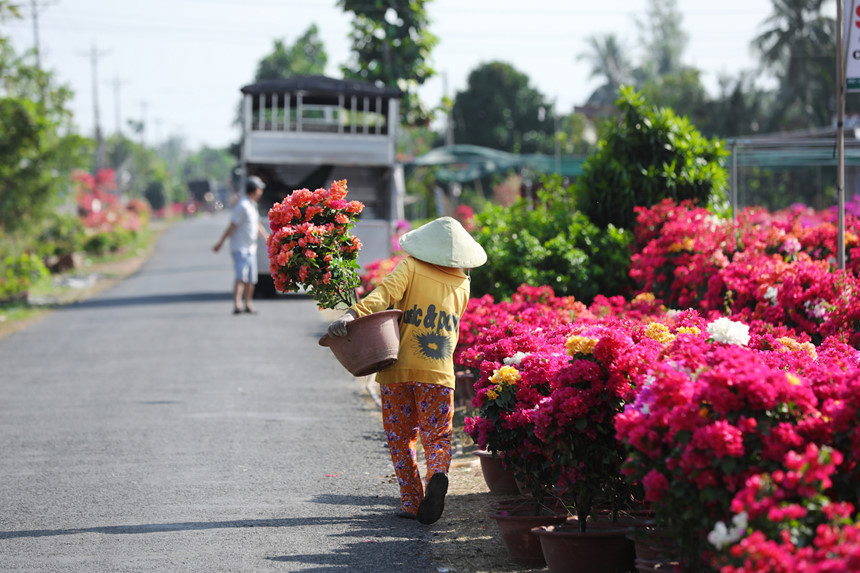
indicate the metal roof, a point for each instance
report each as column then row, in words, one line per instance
column 322, row 85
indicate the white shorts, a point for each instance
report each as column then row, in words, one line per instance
column 245, row 266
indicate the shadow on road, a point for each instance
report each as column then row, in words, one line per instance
column 374, row 522
column 374, row 527
column 179, row 298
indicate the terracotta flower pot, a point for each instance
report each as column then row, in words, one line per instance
column 464, row 388
column 500, row 480
column 516, row 530
column 370, row 345
column 655, row 551
column 598, row 550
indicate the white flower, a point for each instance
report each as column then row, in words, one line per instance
column 722, row 535
column 729, row 331
column 817, row 309
column 515, row 359
column 791, row 246
column 770, row 294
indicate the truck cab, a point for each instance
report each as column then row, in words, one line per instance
column 307, row 131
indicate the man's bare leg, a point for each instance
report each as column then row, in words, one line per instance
column 249, row 295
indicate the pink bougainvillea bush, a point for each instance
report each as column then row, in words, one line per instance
column 100, row 207
column 514, row 377
column 709, row 413
column 576, row 422
column 110, row 226
column 311, row 245
column 784, row 521
column 771, row 270
column 736, row 418
column 486, row 321
column 689, row 405
column 535, row 401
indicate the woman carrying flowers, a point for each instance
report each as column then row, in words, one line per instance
column 432, row 289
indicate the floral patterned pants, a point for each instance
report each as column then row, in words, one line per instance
column 410, row 410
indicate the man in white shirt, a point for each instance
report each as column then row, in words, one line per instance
column 243, row 230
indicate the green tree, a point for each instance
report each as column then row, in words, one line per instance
column 662, row 77
column 663, row 40
column 575, row 135
column 681, row 90
column 306, row 57
column 37, row 151
column 650, row 154
column 796, row 46
column 391, row 44
column 8, row 10
column 137, row 167
column 500, row 110
column 208, row 163
column 608, row 62
column 549, row 242
column 737, row 110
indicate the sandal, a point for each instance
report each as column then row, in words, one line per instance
column 431, row 507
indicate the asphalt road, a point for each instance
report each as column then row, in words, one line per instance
column 149, row 429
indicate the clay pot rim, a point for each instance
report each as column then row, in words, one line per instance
column 562, row 531
column 622, row 521
column 326, row 338
column 524, row 516
column 488, row 454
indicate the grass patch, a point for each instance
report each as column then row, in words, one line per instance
column 97, row 274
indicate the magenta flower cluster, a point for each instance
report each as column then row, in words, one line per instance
column 793, row 525
column 686, row 407
column 774, row 271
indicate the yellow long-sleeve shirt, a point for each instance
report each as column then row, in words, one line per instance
column 432, row 299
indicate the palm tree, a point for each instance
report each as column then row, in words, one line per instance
column 797, row 47
column 608, row 61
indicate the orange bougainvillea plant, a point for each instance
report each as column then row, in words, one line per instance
column 311, row 246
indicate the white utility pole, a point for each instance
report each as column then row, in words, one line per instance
column 94, row 56
column 35, row 8
column 840, row 134
column 117, row 84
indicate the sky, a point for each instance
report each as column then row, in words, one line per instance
column 178, row 65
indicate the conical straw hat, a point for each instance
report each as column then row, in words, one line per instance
column 444, row 242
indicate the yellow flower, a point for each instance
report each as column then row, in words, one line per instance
column 580, row 345
column 789, row 344
column 659, row 332
column 792, row 379
column 505, row 376
column 686, row 245
column 491, row 395
column 688, row 330
column 643, row 297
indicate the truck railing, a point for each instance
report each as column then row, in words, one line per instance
column 288, row 112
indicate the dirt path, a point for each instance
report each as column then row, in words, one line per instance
column 468, row 540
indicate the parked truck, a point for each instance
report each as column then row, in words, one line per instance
column 307, row 131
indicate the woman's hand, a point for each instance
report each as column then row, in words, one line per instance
column 338, row 327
